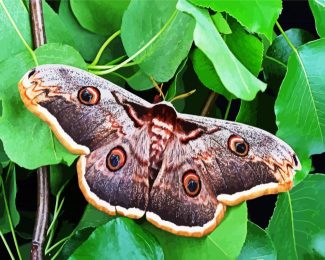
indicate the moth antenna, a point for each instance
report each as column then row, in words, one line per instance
column 158, row 88
column 184, row 95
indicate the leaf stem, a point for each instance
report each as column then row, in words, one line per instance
column 182, row 96
column 286, row 37
column 54, row 221
column 58, row 243
column 228, row 109
column 8, row 212
column 32, row 53
column 211, row 99
column 142, row 49
column 106, row 43
column 104, row 67
column 7, row 246
column 57, row 210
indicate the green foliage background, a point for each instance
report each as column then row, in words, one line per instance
column 213, row 46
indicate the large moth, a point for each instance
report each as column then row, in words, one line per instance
column 140, row 159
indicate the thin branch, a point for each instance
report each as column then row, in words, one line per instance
column 36, row 13
column 211, row 99
column 42, row 213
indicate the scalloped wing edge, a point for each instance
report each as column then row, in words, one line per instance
column 53, row 123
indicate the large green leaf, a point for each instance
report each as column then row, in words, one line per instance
column 276, row 57
column 223, row 243
column 318, row 9
column 235, row 77
column 250, row 50
column 300, row 104
column 139, row 80
column 98, row 16
column 9, row 41
column 58, row 33
column 257, row 15
column 207, row 74
column 249, row 53
column 259, row 112
column 258, row 244
column 84, row 41
column 9, row 182
column 19, row 127
column 90, row 219
column 142, row 21
column 297, row 227
column 120, row 238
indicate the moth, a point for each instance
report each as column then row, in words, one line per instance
column 140, row 159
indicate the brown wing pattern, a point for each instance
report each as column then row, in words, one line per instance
column 52, row 92
column 171, row 208
column 124, row 191
column 226, row 178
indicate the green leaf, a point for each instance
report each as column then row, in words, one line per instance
column 84, row 41
column 139, row 81
column 297, row 227
column 207, row 74
column 120, row 238
column 300, row 104
column 93, row 217
column 59, row 175
column 102, row 17
column 4, row 160
column 19, row 127
column 90, row 219
column 244, row 85
column 221, row 23
column 162, row 58
column 57, row 33
column 9, row 40
column 250, row 50
column 257, row 15
column 25, row 250
column 57, row 53
column 75, row 241
column 318, row 9
column 223, row 243
column 249, row 53
column 258, row 244
column 259, row 112
column 10, row 186
column 177, row 87
column 276, row 57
